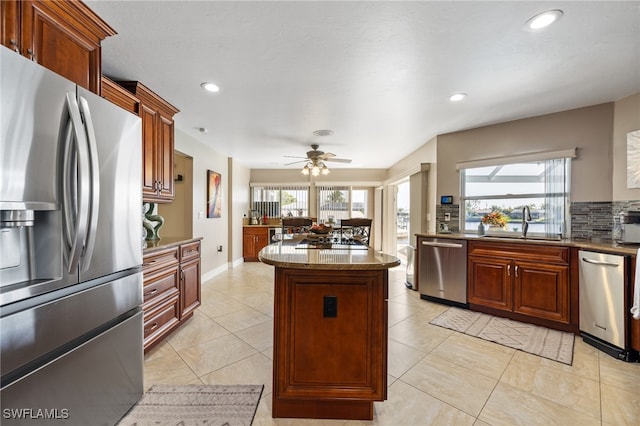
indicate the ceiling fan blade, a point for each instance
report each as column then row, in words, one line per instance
column 326, row 155
column 338, row 160
column 293, row 156
column 295, row 162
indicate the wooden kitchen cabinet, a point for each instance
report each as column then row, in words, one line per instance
column 330, row 343
column 160, row 294
column 254, row 239
column 190, row 295
column 171, row 288
column 157, row 143
column 527, row 282
column 63, row 36
column 116, row 94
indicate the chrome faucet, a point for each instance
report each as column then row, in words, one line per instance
column 525, row 219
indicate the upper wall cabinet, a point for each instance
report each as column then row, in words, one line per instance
column 157, row 143
column 63, row 36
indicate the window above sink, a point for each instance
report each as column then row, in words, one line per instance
column 507, row 188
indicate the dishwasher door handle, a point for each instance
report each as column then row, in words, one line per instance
column 599, row 262
column 444, row 245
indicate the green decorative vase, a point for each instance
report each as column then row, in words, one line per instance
column 152, row 222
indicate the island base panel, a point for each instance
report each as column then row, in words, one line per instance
column 318, row 409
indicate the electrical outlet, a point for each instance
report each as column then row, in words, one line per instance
column 330, row 306
column 447, row 217
column 200, row 215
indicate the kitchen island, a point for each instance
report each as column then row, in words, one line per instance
column 330, row 330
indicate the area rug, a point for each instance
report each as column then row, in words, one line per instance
column 210, row 405
column 536, row 340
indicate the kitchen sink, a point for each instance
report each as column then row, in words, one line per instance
column 528, row 237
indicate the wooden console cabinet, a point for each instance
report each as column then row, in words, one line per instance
column 254, row 239
column 157, row 143
column 63, row 36
column 171, row 288
column 311, row 355
column 527, row 282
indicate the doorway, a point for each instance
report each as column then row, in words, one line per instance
column 403, row 221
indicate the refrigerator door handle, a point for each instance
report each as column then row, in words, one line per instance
column 76, row 198
column 94, row 184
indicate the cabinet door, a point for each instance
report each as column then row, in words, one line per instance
column 164, row 172
column 262, row 241
column 64, row 37
column 149, row 181
column 10, row 24
column 489, row 282
column 190, row 287
column 249, row 251
column 542, row 290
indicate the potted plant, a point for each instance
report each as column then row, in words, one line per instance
column 495, row 220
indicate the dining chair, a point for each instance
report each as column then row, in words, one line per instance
column 296, row 225
column 360, row 228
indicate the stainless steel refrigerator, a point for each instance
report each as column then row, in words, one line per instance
column 70, row 251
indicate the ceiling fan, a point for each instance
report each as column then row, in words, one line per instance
column 315, row 161
column 316, row 155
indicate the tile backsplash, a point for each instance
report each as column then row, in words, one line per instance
column 589, row 220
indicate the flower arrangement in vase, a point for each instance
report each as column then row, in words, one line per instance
column 495, row 220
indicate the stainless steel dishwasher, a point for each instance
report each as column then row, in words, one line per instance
column 442, row 270
column 602, row 302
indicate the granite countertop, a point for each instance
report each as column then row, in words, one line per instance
column 166, row 242
column 601, row 246
column 287, row 255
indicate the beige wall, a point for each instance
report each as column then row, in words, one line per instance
column 589, row 129
column 214, row 232
column 626, row 118
column 178, row 218
column 238, row 205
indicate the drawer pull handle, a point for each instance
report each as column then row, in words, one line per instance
column 508, row 270
column 598, row 262
column 152, row 292
column 599, row 326
column 153, row 327
column 516, row 270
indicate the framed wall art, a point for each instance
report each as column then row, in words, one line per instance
column 214, row 194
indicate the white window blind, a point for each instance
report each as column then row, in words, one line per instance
column 341, row 202
column 280, row 200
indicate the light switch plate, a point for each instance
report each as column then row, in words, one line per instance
column 447, row 217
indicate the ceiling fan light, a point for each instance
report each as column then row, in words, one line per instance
column 325, row 170
column 305, row 170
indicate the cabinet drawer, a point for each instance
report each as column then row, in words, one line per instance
column 534, row 252
column 257, row 230
column 189, row 251
column 160, row 319
column 159, row 282
column 160, row 259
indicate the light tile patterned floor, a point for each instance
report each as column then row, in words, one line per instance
column 436, row 376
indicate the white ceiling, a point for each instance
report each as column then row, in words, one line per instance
column 376, row 73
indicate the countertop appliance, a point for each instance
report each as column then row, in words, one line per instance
column 442, row 270
column 630, row 227
column 602, row 302
column 70, row 235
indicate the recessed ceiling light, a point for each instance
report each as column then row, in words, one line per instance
column 544, row 19
column 457, row 97
column 211, row 87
